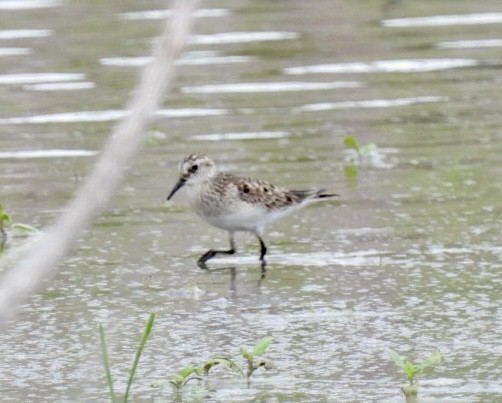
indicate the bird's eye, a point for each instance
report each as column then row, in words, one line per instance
column 194, row 168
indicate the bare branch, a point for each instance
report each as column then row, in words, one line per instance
column 36, row 261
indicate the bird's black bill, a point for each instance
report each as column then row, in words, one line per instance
column 176, row 187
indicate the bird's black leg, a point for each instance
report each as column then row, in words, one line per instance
column 263, row 248
column 212, row 253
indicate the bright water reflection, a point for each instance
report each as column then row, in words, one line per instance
column 30, row 78
column 484, row 43
column 24, row 33
column 408, row 258
column 445, row 20
column 28, row 4
column 385, row 66
column 14, row 51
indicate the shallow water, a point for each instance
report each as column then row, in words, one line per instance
column 408, row 258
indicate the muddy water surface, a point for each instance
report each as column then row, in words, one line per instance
column 408, row 258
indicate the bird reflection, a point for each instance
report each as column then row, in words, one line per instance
column 233, row 276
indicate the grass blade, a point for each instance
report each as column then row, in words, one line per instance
column 106, row 363
column 139, row 351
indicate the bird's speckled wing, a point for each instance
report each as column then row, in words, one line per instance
column 255, row 191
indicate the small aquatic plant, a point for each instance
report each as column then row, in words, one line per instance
column 413, row 371
column 106, row 362
column 184, row 376
column 359, row 153
column 5, row 222
column 250, row 356
column 189, row 373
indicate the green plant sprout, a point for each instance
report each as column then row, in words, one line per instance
column 106, row 362
column 5, row 222
column 353, row 161
column 186, row 375
column 413, row 371
column 258, row 349
column 189, row 373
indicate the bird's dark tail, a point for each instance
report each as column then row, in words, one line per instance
column 323, row 195
column 313, row 194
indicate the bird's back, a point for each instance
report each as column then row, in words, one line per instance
column 237, row 203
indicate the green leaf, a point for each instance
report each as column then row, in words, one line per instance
column 176, row 384
column 177, row 380
column 398, row 360
column 4, row 217
column 367, row 149
column 261, row 345
column 186, row 372
column 351, row 142
column 409, row 370
column 24, row 227
column 429, row 362
column 246, row 354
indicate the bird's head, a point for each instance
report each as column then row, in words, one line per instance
column 194, row 169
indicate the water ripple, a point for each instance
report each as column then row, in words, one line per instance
column 444, row 20
column 14, row 51
column 82, row 85
column 107, row 116
column 31, row 78
column 370, row 103
column 385, row 66
column 24, row 33
column 241, row 37
column 188, row 61
column 28, row 4
column 55, row 153
column 241, row 136
column 162, row 14
column 467, row 44
column 270, row 87
column 359, row 258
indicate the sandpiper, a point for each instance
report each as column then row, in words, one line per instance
column 236, row 203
